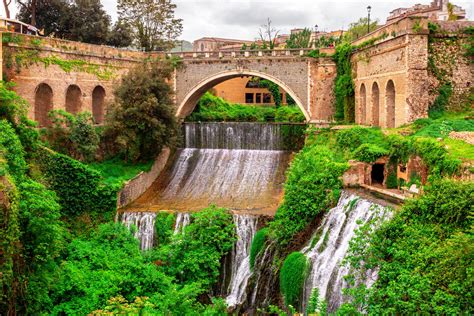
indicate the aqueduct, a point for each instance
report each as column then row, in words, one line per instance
column 392, row 82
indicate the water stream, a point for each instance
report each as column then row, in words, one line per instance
column 330, row 244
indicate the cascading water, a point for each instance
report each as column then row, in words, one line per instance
column 145, row 225
column 182, row 220
column 246, row 227
column 330, row 244
column 240, row 166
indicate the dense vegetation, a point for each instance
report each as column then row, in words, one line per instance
column 292, row 276
column 214, row 109
column 425, row 255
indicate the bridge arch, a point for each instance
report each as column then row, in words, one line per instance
column 189, row 102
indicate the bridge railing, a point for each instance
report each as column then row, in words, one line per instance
column 249, row 53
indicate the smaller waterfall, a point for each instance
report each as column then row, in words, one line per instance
column 145, row 224
column 182, row 220
column 330, row 244
column 246, row 227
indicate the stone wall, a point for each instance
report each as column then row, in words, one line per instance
column 322, row 100
column 135, row 187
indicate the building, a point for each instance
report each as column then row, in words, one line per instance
column 243, row 90
column 207, row 44
column 438, row 10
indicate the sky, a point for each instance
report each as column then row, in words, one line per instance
column 241, row 19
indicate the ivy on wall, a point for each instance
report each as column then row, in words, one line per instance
column 344, row 85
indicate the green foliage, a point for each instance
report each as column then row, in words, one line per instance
column 313, row 185
column 442, row 127
column 425, row 254
column 300, row 39
column 292, row 276
column 274, row 90
column 73, row 135
column 258, row 243
column 142, row 120
column 116, row 171
column 392, row 181
column 12, row 151
column 78, row 186
column 344, row 85
column 316, row 306
column 369, row 152
column 442, row 100
column 469, row 46
column 436, row 156
column 215, row 109
column 359, row 29
column 352, row 138
column 164, row 227
column 211, row 232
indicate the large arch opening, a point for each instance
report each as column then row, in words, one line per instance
column 375, row 104
column 98, row 99
column 390, row 103
column 362, row 104
column 43, row 104
column 73, row 99
column 188, row 104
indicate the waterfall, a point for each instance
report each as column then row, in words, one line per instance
column 233, row 135
column 246, row 227
column 330, row 244
column 182, row 220
column 240, row 166
column 145, row 225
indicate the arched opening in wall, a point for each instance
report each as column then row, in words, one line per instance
column 375, row 104
column 362, row 104
column 390, row 103
column 73, row 99
column 98, row 98
column 43, row 104
column 377, row 174
column 248, row 96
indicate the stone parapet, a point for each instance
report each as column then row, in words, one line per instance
column 135, row 187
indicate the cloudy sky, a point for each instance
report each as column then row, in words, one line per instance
column 242, row 18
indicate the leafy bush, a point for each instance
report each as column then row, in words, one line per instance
column 352, row 138
column 425, row 254
column 116, row 171
column 73, row 135
column 313, row 185
column 344, row 85
column 215, row 109
column 257, row 244
column 78, row 187
column 442, row 127
column 369, row 152
column 436, row 156
column 292, row 276
column 196, row 254
column 142, row 120
column 12, row 150
column 164, row 227
column 442, row 100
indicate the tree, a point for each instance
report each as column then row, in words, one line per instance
column 300, row 39
column 30, row 6
column 359, row 29
column 268, row 34
column 142, row 120
column 120, row 35
column 6, row 4
column 153, row 23
column 88, row 22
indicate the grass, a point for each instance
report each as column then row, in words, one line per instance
column 460, row 149
column 116, row 171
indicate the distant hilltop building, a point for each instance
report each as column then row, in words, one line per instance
column 207, row 44
column 439, row 10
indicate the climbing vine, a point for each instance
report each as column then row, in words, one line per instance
column 344, row 86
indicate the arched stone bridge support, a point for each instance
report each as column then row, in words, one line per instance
column 308, row 81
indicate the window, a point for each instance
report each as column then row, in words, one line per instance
column 249, row 98
column 267, row 98
column 258, row 98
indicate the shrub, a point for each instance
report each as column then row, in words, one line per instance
column 344, row 85
column 292, row 276
column 142, row 120
column 313, row 185
column 369, row 152
column 442, row 100
column 257, row 245
column 164, row 227
column 73, row 135
column 436, row 156
column 352, row 138
column 78, row 186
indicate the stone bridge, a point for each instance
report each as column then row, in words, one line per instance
column 392, row 80
column 309, row 81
